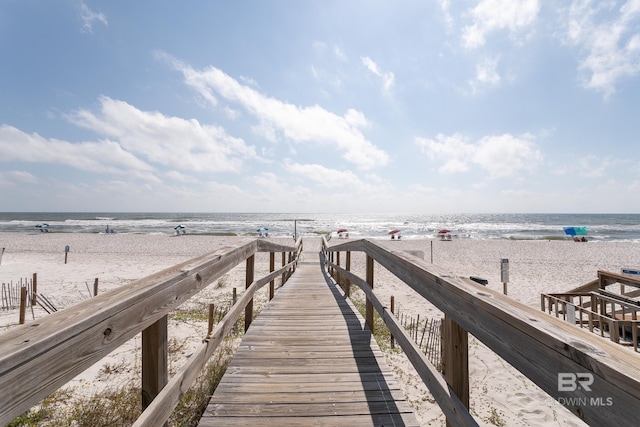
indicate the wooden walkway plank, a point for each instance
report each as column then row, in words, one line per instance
column 307, row 360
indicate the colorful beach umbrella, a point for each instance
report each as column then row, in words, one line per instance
column 575, row 231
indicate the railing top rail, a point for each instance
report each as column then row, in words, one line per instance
column 608, row 277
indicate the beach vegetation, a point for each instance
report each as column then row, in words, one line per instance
column 380, row 331
column 496, row 418
column 122, row 405
column 222, row 282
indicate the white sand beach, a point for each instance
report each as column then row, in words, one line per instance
column 498, row 392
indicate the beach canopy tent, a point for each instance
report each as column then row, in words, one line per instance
column 342, row 230
column 576, row 231
column 394, row 231
column 444, row 231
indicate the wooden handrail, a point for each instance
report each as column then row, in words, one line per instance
column 38, row 358
column 538, row 345
column 607, row 277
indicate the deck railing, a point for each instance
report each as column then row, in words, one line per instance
column 547, row 350
column 603, row 312
column 38, row 358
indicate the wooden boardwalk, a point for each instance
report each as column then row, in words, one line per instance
column 307, row 360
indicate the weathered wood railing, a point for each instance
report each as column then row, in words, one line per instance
column 609, row 312
column 545, row 349
column 38, row 358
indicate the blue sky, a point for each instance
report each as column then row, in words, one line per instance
column 320, row 106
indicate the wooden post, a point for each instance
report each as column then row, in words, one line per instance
column 95, row 287
column 456, row 360
column 66, row 252
column 1, row 253
column 369, row 280
column 272, row 267
column 234, row 300
column 432, row 252
column 393, row 310
column 347, row 289
column 212, row 309
column 284, row 262
column 34, row 290
column 23, row 303
column 155, row 373
column 248, row 311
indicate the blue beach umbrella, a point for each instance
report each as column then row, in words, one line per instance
column 576, row 231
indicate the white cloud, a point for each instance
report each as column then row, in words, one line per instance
column 486, row 74
column 326, row 177
column 494, row 15
column 594, row 167
column 180, row 177
column 448, row 19
column 10, row 178
column 89, row 17
column 171, row 141
column 339, row 53
column 103, row 157
column 309, row 125
column 387, row 77
column 486, row 71
column 612, row 46
column 500, row 155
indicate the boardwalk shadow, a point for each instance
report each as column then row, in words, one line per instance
column 378, row 394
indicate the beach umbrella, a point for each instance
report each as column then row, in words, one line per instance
column 444, row 231
column 575, row 231
column 394, row 231
column 342, row 230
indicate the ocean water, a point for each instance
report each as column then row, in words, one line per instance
column 601, row 227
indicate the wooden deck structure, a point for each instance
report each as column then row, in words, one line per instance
column 308, row 359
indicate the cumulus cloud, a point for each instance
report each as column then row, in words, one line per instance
column 132, row 142
column 486, row 74
column 500, row 155
column 88, row 18
column 305, row 125
column 104, row 157
column 171, row 141
column 611, row 46
column 495, row 15
column 386, row 76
